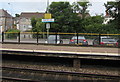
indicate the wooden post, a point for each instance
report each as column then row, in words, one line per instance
column 19, row 37
column 77, row 38
column 76, row 63
column 37, row 37
column 2, row 37
column 56, row 38
column 99, row 39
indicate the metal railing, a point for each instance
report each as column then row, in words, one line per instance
column 41, row 37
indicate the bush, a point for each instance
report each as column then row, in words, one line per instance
column 12, row 33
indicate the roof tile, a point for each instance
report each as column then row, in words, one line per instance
column 29, row 14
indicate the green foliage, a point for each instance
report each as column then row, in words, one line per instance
column 12, row 33
column 17, row 15
column 81, row 7
column 33, row 22
column 37, row 25
column 93, row 24
column 65, row 19
column 113, row 9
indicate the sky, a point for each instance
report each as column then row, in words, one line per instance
column 18, row 6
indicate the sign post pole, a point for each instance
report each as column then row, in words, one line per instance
column 47, row 27
column 47, row 32
column 47, row 19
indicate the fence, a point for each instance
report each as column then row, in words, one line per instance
column 63, row 38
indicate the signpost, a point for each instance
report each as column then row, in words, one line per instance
column 48, row 16
column 47, row 27
column 47, row 19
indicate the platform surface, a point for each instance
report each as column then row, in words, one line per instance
column 62, row 49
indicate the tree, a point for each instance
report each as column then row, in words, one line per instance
column 37, row 26
column 93, row 24
column 81, row 7
column 65, row 19
column 113, row 9
column 17, row 15
column 118, row 16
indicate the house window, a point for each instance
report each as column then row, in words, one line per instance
column 28, row 20
column 24, row 26
column 0, row 19
column 24, row 20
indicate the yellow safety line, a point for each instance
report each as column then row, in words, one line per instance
column 113, row 54
column 88, row 33
column 25, row 32
column 11, row 32
column 66, row 33
column 60, row 33
column 110, row 34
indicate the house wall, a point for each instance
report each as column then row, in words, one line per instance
column 5, row 21
column 1, row 29
column 106, row 20
column 25, row 24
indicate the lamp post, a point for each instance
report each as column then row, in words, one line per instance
column 47, row 24
column 11, row 19
column 47, row 6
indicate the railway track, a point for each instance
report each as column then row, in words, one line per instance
column 18, row 79
column 55, row 74
column 36, row 69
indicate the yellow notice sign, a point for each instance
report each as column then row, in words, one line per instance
column 48, row 16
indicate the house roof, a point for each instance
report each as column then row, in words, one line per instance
column 4, row 13
column 107, row 16
column 86, row 15
column 33, row 14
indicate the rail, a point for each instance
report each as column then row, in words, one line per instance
column 113, row 77
column 65, row 38
column 18, row 79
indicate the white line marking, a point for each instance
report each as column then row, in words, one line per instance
column 69, row 52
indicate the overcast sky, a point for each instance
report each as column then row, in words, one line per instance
column 18, row 6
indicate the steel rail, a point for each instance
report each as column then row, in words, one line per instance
column 19, row 79
column 116, row 77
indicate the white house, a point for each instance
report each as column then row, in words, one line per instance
column 24, row 21
column 107, row 18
